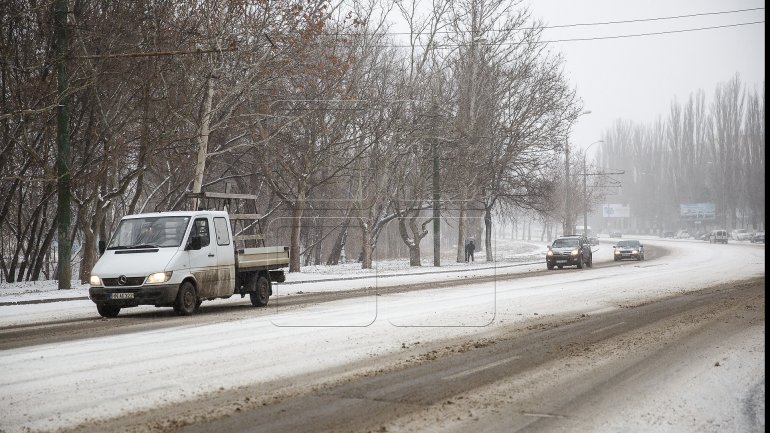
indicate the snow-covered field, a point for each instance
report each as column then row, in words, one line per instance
column 58, row 385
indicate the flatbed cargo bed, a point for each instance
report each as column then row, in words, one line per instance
column 262, row 258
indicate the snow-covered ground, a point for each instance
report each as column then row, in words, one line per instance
column 58, row 385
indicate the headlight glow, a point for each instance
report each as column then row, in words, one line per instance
column 575, row 252
column 95, row 281
column 635, row 252
column 158, row 277
column 617, row 252
column 549, row 253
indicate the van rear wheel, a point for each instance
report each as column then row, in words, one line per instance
column 259, row 291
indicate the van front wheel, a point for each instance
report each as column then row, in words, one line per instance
column 107, row 310
column 186, row 299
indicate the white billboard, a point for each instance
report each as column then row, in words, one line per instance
column 612, row 210
column 697, row 211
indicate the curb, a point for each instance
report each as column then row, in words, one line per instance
column 362, row 277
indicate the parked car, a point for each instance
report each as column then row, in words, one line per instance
column 740, row 235
column 718, row 236
column 628, row 249
column 667, row 234
column 683, row 234
column 758, row 238
column 702, row 236
column 616, row 234
column 569, row 251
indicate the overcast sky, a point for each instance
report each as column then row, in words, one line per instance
column 637, row 78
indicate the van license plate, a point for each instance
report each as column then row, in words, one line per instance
column 122, row 296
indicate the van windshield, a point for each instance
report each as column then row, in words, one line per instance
column 149, row 232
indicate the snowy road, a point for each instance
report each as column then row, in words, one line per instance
column 149, row 377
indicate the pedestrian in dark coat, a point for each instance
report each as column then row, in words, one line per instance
column 470, row 247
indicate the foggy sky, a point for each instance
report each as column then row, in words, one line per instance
column 638, row 78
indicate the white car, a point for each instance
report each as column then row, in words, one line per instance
column 740, row 235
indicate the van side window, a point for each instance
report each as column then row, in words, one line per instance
column 220, row 229
column 201, row 227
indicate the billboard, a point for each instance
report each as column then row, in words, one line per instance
column 697, row 211
column 611, row 210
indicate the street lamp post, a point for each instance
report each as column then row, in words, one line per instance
column 585, row 188
column 568, row 223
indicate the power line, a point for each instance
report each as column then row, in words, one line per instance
column 654, row 33
column 594, row 38
column 652, row 19
column 600, row 23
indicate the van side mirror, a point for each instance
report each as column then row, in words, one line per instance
column 102, row 247
column 194, row 243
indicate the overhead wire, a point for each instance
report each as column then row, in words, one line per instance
column 592, row 38
column 602, row 23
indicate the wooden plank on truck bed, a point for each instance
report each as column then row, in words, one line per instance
column 248, row 237
column 263, row 258
column 245, row 216
column 229, row 195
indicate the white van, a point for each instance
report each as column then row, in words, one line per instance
column 718, row 237
column 180, row 259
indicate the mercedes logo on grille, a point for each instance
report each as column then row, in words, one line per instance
column 122, row 280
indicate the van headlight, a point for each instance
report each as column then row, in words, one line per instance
column 95, row 281
column 549, row 253
column 575, row 252
column 158, row 277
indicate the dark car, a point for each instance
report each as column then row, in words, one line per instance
column 629, row 249
column 616, row 235
column 758, row 238
column 569, row 251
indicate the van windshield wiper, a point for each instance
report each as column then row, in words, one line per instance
column 132, row 247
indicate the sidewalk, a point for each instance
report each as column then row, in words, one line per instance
column 525, row 257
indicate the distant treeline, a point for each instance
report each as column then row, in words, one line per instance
column 699, row 153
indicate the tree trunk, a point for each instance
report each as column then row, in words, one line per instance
column 88, row 257
column 461, row 234
column 319, row 235
column 412, row 242
column 414, row 255
column 296, row 227
column 366, row 246
column 339, row 244
column 488, row 233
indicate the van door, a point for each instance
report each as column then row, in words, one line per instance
column 225, row 257
column 203, row 262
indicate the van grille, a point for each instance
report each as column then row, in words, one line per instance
column 130, row 281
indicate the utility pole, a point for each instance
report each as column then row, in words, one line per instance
column 63, row 217
column 585, row 188
column 567, row 210
column 569, row 224
column 436, row 191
